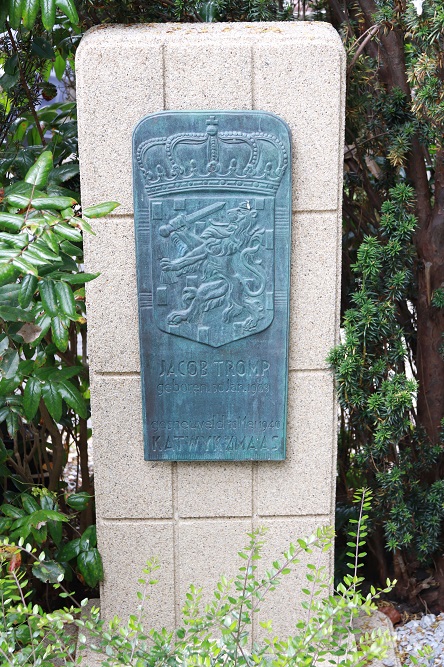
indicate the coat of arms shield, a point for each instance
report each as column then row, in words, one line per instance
column 212, row 230
column 212, row 266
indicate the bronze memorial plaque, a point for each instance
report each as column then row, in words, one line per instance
column 212, row 196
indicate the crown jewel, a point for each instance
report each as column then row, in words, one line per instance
column 248, row 161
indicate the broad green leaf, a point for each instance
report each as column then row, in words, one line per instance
column 41, row 251
column 25, row 266
column 23, row 188
column 69, row 550
column 8, row 387
column 90, row 566
column 26, row 366
column 54, row 373
column 65, row 299
column 11, row 64
column 15, row 13
column 5, row 525
column 47, row 502
column 85, row 226
column 66, row 373
column 52, row 203
column 11, row 314
column 88, row 539
column 4, row 6
column 56, row 531
column 12, row 511
column 50, row 218
column 59, row 66
column 40, row 534
column 11, row 222
column 78, row 501
column 48, row 296
column 71, row 249
column 31, row 397
column 30, row 11
column 50, row 239
column 48, row 13
column 60, row 334
column 17, row 241
column 48, row 571
column 18, row 201
column 43, row 49
column 73, row 398
column 67, row 232
column 47, row 115
column 8, row 81
column 27, row 290
column 8, row 274
column 99, row 210
column 69, row 9
column 6, row 254
column 29, row 503
column 43, row 515
column 38, row 174
column 64, row 173
column 33, row 257
column 75, row 278
column 53, row 400
column 9, row 363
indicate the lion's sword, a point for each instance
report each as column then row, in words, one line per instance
column 177, row 224
column 176, row 227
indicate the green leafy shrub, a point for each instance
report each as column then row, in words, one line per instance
column 43, row 387
column 36, row 39
column 28, row 635
column 35, row 518
column 41, row 301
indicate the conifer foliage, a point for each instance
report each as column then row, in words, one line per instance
column 390, row 367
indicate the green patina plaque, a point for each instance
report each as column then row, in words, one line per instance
column 212, row 192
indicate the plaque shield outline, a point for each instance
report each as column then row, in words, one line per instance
column 249, row 449
column 244, row 300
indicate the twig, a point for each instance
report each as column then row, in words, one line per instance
column 372, row 32
column 25, row 85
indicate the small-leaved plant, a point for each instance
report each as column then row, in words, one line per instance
column 217, row 633
column 220, row 632
column 28, row 635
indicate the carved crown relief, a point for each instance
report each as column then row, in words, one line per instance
column 247, row 161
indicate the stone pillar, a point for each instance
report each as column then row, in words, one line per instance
column 196, row 516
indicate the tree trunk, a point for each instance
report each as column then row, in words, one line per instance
column 430, row 361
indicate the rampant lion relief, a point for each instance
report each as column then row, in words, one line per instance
column 213, row 272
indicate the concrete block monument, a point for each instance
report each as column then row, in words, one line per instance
column 195, row 514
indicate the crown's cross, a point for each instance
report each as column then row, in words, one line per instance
column 213, row 144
